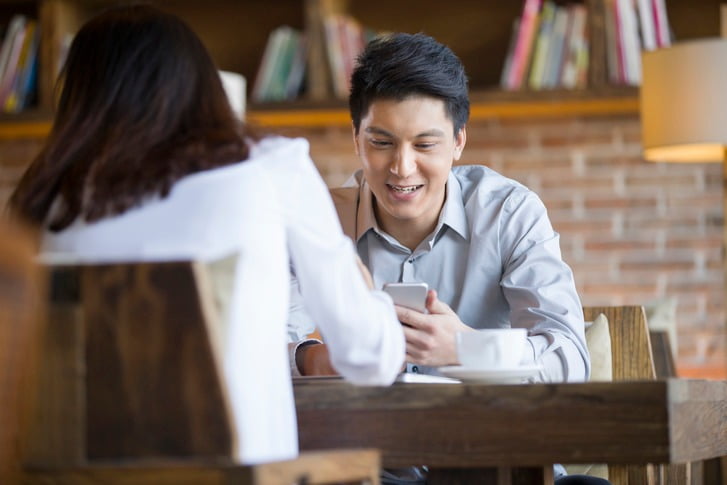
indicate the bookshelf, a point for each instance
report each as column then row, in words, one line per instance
column 235, row 32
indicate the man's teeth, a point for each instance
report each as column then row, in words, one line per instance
column 405, row 190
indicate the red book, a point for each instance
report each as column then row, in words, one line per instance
column 524, row 44
column 661, row 23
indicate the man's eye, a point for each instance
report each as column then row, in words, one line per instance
column 380, row 143
column 426, row 145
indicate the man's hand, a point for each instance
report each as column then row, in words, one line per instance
column 430, row 338
column 313, row 360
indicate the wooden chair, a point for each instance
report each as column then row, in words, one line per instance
column 639, row 353
column 663, row 359
column 703, row 472
column 133, row 390
column 21, row 303
column 631, row 357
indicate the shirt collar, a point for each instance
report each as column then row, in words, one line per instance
column 365, row 218
column 453, row 213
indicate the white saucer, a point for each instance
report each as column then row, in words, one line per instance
column 500, row 376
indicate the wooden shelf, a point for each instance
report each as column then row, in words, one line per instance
column 484, row 106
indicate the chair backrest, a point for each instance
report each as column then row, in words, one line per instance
column 151, row 385
column 132, row 386
column 21, row 300
column 631, row 352
column 631, row 359
column 663, row 357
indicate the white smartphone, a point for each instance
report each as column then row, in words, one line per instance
column 410, row 295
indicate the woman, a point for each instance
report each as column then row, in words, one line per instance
column 146, row 161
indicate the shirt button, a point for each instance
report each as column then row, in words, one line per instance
column 415, row 369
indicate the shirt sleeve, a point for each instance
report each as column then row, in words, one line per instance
column 300, row 323
column 540, row 289
column 365, row 339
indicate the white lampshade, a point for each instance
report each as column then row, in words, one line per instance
column 684, row 102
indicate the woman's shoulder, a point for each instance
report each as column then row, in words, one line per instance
column 275, row 146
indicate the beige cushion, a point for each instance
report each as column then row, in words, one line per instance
column 598, row 340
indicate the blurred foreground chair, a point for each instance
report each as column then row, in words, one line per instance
column 21, row 301
column 133, row 392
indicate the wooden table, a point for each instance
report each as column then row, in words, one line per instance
column 467, row 427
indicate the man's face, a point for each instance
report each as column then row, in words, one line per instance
column 407, row 149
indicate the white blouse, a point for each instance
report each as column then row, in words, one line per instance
column 268, row 211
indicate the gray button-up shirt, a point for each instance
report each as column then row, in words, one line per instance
column 493, row 257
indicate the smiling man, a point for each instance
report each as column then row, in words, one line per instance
column 482, row 242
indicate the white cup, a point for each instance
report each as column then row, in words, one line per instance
column 491, row 348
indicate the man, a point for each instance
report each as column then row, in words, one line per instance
column 482, row 242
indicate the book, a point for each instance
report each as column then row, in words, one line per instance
column 261, row 86
column 296, row 77
column 523, row 47
column 17, row 23
column 24, row 77
column 629, row 41
column 551, row 77
column 661, row 23
column 542, row 45
column 613, row 45
column 345, row 39
column 277, row 87
column 334, row 49
column 597, row 56
column 10, row 54
column 584, row 53
column 575, row 67
column 646, row 24
column 507, row 65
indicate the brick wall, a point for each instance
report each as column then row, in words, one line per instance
column 633, row 232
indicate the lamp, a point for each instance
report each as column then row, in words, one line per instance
column 684, row 102
column 684, row 105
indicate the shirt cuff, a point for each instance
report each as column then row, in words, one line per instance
column 293, row 352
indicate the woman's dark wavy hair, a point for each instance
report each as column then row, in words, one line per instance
column 141, row 106
column 399, row 66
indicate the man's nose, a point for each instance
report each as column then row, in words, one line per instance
column 404, row 163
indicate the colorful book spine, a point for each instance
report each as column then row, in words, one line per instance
column 575, row 68
column 542, row 45
column 21, row 84
column 526, row 33
column 261, row 86
column 16, row 38
column 597, row 44
column 557, row 47
column 631, row 44
column 334, row 48
column 507, row 65
column 661, row 23
column 646, row 22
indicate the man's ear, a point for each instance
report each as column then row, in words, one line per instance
column 355, row 138
column 459, row 142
